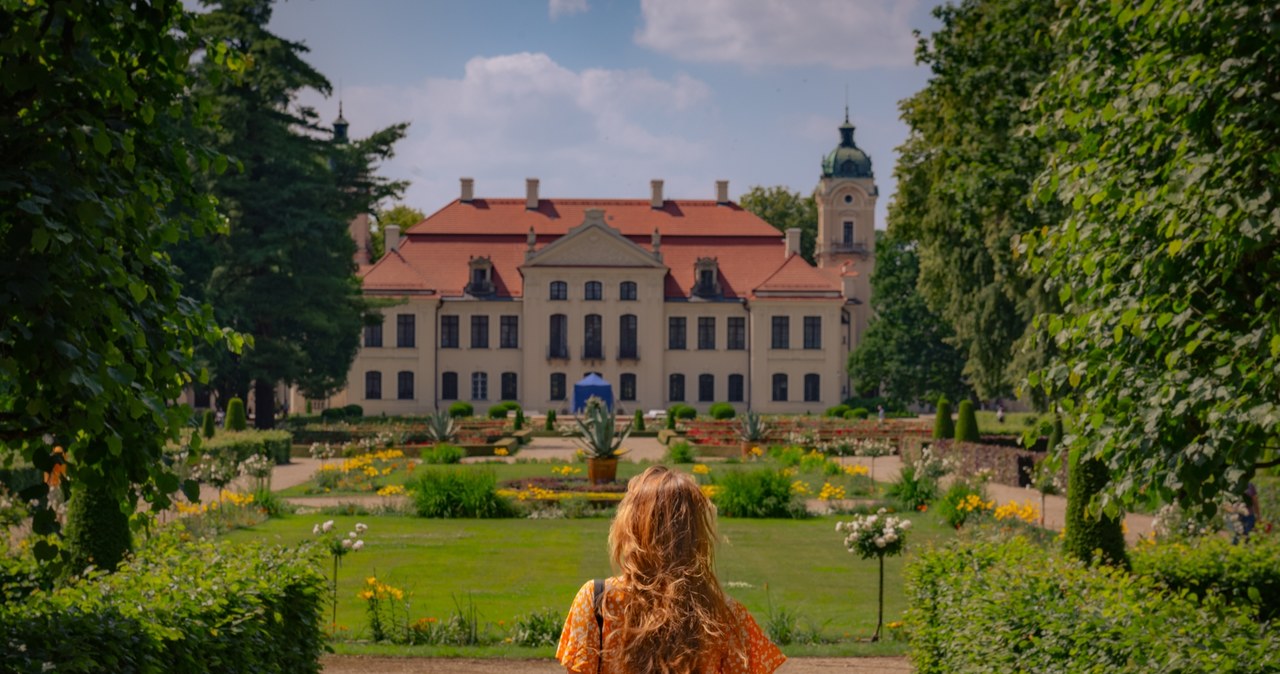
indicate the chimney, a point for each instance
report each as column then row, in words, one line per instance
column 531, row 193
column 722, row 192
column 793, row 242
column 655, row 190
column 468, row 190
column 393, row 238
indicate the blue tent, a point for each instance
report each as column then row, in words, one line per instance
column 592, row 385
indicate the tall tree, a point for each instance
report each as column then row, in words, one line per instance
column 99, row 177
column 1168, row 268
column 284, row 273
column 905, row 352
column 785, row 209
column 964, row 175
column 400, row 215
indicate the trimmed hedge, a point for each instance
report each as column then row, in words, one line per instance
column 235, row 420
column 499, row 411
column 207, row 424
column 1014, row 607
column 967, row 423
column 461, row 409
column 722, row 411
column 1247, row 574
column 244, row 444
column 943, row 427
column 191, row 607
column 1090, row 533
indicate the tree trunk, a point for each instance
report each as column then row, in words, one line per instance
column 264, row 404
column 880, row 611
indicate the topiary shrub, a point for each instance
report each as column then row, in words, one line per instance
column 1089, row 532
column 686, row 412
column 518, row 424
column 638, row 423
column 943, row 429
column 352, row 411
column 550, row 424
column 837, row 412
column 235, row 420
column 499, row 411
column 757, row 493
column 967, row 423
column 722, row 411
column 857, row 413
column 671, row 419
column 97, row 532
column 459, row 493
column 461, row 410
column 207, row 424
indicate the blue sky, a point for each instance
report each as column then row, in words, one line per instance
column 597, row 97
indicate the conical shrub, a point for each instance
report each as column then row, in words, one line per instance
column 943, row 429
column 207, row 424
column 967, row 423
column 1089, row 533
column 235, row 415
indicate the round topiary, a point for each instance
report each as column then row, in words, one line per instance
column 722, row 411
column 857, row 413
column 686, row 412
column 837, row 412
column 207, row 424
column 461, row 410
column 498, row 411
column 1088, row 532
column 97, row 530
column 967, row 423
column 235, row 415
column 352, row 411
column 943, row 429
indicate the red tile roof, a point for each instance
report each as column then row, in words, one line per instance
column 796, row 276
column 632, row 217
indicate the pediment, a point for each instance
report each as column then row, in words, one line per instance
column 593, row 244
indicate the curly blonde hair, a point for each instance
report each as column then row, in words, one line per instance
column 662, row 543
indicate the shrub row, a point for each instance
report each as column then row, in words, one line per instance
column 458, row 493
column 1014, row 607
column 757, row 493
column 1246, row 574
column 244, row 444
column 341, row 413
column 177, row 607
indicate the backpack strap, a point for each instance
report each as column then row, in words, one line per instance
column 597, row 596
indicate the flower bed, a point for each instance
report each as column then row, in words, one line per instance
column 556, row 489
column 1004, row 464
column 828, row 434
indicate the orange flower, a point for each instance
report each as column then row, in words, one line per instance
column 54, row 477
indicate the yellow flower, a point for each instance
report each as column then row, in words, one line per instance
column 710, row 490
column 701, row 469
column 391, row 490
column 501, row 451
column 756, row 451
column 831, row 492
column 800, row 487
column 856, row 470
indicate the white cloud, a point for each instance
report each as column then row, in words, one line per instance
column 566, row 7
column 841, row 34
column 588, row 133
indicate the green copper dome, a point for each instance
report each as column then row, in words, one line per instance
column 847, row 160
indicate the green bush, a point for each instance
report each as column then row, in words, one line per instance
column 680, row 452
column 949, row 506
column 1014, row 607
column 540, row 628
column 499, row 411
column 442, row 454
column 1246, row 575
column 187, row 606
column 942, row 425
column 722, row 411
column 518, row 424
column 459, row 493
column 241, row 445
column 638, row 423
column 967, row 423
column 97, row 531
column 1089, row 533
column 551, row 420
column 207, row 424
column 461, row 410
column 235, row 420
column 837, row 412
column 910, row 491
column 682, row 411
column 353, row 411
column 671, row 420
column 857, row 413
column 757, row 493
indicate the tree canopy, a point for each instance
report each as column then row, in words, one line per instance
column 284, row 272
column 100, row 177
column 964, row 174
column 785, row 209
column 401, row 215
column 904, row 353
column 1168, row 266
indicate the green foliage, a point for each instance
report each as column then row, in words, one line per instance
column 100, row 176
column 598, row 433
column 443, row 453
column 458, row 493
column 540, row 628
column 236, row 608
column 671, row 422
column 275, row 445
column 943, row 428
column 551, row 420
column 1089, row 531
column 97, row 531
column 722, row 411
column 1245, row 575
column 1167, row 267
column 905, row 353
column 836, row 412
column 752, row 427
column 963, row 177
column 757, row 493
column 912, row 490
column 680, row 452
column 954, row 506
column 1055, row 435
column 785, row 210
column 499, row 411
column 967, row 423
column 682, row 411
column 1013, row 607
column 207, row 424
column 235, row 419
column 518, row 424
column 440, row 427
column 638, row 421
column 463, row 409
column 401, row 215
column 857, row 413
column 352, row 411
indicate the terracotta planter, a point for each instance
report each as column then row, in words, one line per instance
column 602, row 470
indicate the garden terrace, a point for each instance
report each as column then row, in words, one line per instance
column 809, row 431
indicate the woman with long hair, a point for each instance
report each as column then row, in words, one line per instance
column 664, row 611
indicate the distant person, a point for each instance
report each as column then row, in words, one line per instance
column 664, row 611
column 1249, row 519
column 999, row 413
column 880, row 413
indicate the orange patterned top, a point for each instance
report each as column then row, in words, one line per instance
column 580, row 641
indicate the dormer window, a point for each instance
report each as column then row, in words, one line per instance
column 481, row 282
column 706, row 274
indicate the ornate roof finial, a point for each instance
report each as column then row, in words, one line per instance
column 340, row 124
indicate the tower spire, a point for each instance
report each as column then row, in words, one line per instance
column 340, row 125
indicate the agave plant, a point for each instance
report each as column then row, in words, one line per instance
column 752, row 427
column 440, row 427
column 598, row 434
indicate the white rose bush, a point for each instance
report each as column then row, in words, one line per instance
column 880, row 535
column 339, row 546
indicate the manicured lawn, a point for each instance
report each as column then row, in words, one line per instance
column 512, row 567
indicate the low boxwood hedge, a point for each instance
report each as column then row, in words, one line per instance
column 177, row 607
column 1014, row 607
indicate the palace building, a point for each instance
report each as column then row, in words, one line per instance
column 690, row 301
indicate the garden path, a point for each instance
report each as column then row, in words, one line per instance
column 356, row 664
